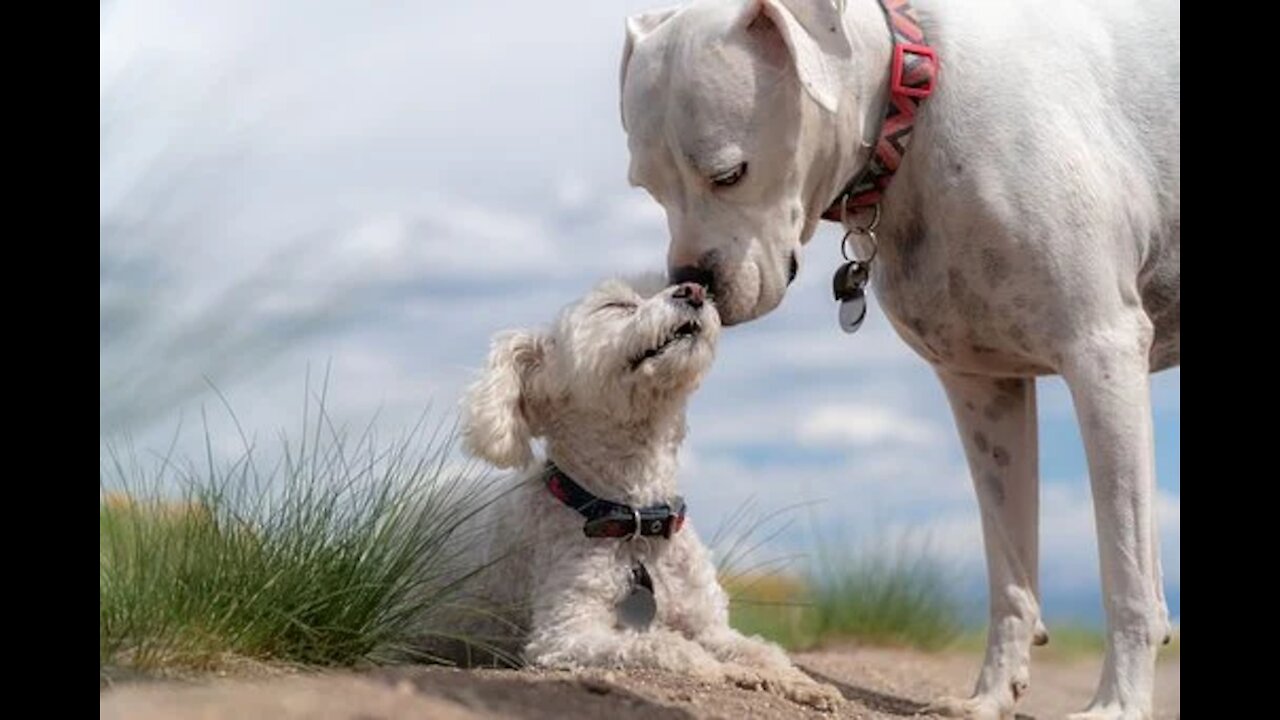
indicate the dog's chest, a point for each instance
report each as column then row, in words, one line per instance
column 970, row 309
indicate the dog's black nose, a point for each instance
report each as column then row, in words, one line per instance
column 692, row 293
column 692, row 274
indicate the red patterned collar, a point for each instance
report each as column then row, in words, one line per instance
column 912, row 77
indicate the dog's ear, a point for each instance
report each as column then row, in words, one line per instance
column 815, row 35
column 496, row 425
column 638, row 26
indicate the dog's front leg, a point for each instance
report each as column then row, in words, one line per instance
column 754, row 662
column 997, row 423
column 575, row 626
column 1108, row 374
column 590, row 644
column 699, row 608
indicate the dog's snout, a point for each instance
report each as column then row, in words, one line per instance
column 691, row 293
column 693, row 274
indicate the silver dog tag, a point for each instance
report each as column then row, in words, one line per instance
column 848, row 288
column 852, row 312
column 638, row 609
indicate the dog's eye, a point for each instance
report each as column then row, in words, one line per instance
column 729, row 178
column 629, row 307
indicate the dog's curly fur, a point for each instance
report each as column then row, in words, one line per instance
column 611, row 412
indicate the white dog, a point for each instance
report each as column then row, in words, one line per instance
column 584, row 545
column 1033, row 228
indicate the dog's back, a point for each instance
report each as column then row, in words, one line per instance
column 488, row 617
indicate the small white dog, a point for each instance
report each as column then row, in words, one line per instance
column 588, row 553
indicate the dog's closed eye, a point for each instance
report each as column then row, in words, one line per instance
column 730, row 177
column 618, row 305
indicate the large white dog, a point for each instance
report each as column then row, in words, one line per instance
column 1033, row 228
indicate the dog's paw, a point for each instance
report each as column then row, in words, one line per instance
column 982, row 707
column 708, row 673
column 760, row 654
column 790, row 684
column 736, row 649
column 742, row 676
column 558, row 662
column 806, row 691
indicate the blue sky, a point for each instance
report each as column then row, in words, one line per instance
column 384, row 186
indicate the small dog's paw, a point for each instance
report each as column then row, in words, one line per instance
column 744, row 677
column 706, row 673
column 790, row 684
column 550, row 661
column 732, row 647
column 973, row 708
column 800, row 688
column 761, row 654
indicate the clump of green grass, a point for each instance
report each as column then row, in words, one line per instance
column 890, row 594
column 900, row 595
column 765, row 597
column 338, row 552
column 776, row 607
column 877, row 594
column 1067, row 642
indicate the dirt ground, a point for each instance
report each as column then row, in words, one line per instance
column 876, row 683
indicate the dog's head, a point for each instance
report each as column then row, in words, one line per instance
column 624, row 354
column 735, row 111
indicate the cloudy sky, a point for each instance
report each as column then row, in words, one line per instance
column 379, row 187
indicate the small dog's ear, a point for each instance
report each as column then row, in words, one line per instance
column 496, row 426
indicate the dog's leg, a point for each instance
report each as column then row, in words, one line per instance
column 699, row 608
column 1108, row 375
column 588, row 644
column 756, row 663
column 997, row 423
column 731, row 646
column 574, row 625
column 1162, row 605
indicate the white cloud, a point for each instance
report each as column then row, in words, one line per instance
column 842, row 425
column 450, row 238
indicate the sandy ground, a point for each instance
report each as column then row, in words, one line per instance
column 876, row 683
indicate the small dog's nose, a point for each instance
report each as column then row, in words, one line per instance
column 691, row 293
column 692, row 274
